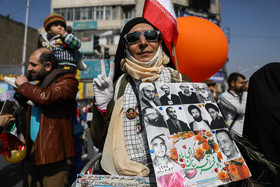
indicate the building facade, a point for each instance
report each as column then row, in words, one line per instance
column 11, row 53
column 11, row 45
column 106, row 18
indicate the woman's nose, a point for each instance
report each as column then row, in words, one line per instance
column 143, row 40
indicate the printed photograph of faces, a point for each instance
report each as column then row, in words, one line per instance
column 227, row 145
column 197, row 117
column 154, row 121
column 203, row 93
column 216, row 119
column 168, row 94
column 175, row 118
column 159, row 149
column 148, row 96
column 186, row 93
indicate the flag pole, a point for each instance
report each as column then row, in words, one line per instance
column 176, row 61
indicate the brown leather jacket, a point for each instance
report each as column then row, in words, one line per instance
column 55, row 141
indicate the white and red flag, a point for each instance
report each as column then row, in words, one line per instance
column 161, row 14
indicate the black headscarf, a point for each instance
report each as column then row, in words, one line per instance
column 120, row 54
column 262, row 120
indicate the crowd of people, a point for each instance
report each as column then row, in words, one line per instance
column 117, row 127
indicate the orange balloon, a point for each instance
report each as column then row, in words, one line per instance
column 201, row 48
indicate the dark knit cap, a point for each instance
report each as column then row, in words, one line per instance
column 120, row 54
column 53, row 18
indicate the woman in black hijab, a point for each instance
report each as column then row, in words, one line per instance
column 262, row 122
column 141, row 57
column 120, row 54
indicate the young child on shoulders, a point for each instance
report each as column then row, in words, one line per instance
column 64, row 45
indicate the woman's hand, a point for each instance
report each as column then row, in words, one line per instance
column 103, row 86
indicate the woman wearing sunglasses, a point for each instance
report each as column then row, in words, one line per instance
column 116, row 127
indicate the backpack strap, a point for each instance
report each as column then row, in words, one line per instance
column 120, row 86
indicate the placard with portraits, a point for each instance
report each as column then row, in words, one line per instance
column 188, row 138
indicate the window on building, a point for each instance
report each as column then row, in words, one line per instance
column 63, row 12
column 99, row 11
column 56, row 11
column 69, row 14
column 114, row 12
column 128, row 12
column 90, row 13
column 84, row 13
column 202, row 5
column 77, row 14
column 108, row 12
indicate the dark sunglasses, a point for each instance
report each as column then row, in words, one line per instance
column 134, row 37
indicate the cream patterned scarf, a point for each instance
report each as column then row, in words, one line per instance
column 145, row 74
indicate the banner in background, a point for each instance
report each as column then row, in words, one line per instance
column 93, row 69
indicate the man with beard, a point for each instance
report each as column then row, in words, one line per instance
column 49, row 132
column 233, row 102
column 227, row 144
column 186, row 95
column 174, row 124
column 148, row 93
column 198, row 123
column 168, row 98
column 203, row 94
column 154, row 121
column 217, row 122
